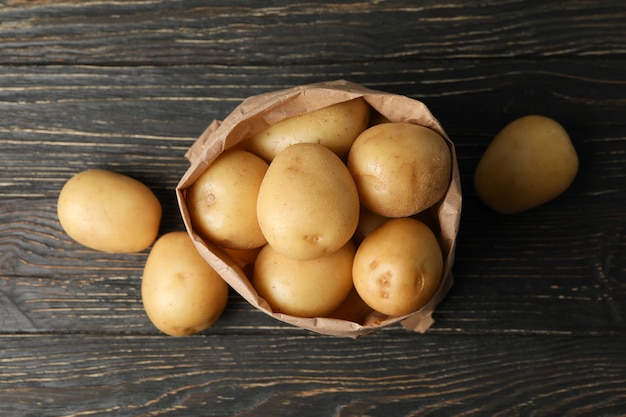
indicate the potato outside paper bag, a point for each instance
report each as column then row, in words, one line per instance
column 258, row 112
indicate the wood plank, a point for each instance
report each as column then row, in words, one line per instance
column 194, row 32
column 260, row 375
column 558, row 269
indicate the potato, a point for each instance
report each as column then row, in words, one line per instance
column 181, row 293
column 335, row 127
column 311, row 288
column 243, row 257
column 529, row 162
column 353, row 309
column 222, row 201
column 308, row 205
column 400, row 169
column 368, row 221
column 398, row 267
column 109, row 212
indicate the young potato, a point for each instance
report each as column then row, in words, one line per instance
column 222, row 201
column 243, row 257
column 308, row 205
column 368, row 221
column 335, row 127
column 181, row 293
column 400, row 169
column 529, row 162
column 109, row 212
column 311, row 288
column 353, row 309
column 398, row 267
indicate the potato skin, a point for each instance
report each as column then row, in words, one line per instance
column 222, row 201
column 398, row 267
column 308, row 205
column 109, row 212
column 312, row 288
column 529, row 162
column 181, row 293
column 336, row 127
column 400, row 169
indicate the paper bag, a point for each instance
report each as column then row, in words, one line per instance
column 258, row 112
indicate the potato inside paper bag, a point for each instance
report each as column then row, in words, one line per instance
column 257, row 113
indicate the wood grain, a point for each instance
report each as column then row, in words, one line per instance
column 315, row 376
column 236, row 33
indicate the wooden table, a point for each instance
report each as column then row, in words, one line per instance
column 535, row 322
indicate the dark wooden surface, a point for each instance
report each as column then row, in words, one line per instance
column 535, row 322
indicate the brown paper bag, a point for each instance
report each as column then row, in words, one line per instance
column 256, row 113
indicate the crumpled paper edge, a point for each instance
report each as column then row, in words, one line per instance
column 256, row 113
